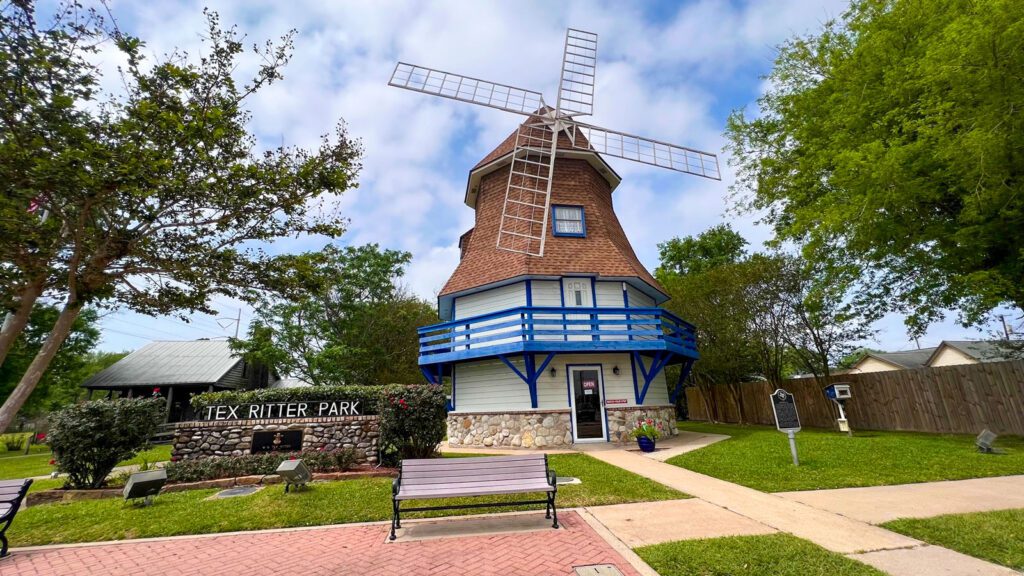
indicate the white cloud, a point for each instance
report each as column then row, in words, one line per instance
column 671, row 76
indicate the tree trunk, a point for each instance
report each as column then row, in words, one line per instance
column 19, row 319
column 40, row 363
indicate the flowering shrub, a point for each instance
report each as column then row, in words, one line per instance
column 412, row 420
column 90, row 438
column 195, row 470
column 647, row 429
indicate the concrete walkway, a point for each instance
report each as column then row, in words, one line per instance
column 878, row 504
column 894, row 553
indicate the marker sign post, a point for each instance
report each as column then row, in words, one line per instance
column 786, row 418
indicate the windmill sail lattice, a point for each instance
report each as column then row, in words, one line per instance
column 524, row 216
column 579, row 64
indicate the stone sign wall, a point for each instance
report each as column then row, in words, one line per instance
column 198, row 439
column 547, row 428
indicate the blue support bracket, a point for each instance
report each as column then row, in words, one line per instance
column 684, row 371
column 532, row 372
column 430, row 376
column 657, row 364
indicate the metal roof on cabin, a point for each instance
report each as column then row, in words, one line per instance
column 193, row 362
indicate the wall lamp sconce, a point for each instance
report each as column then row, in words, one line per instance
column 615, row 370
column 552, row 372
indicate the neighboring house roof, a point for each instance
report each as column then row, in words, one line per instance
column 162, row 363
column 903, row 359
column 980, row 350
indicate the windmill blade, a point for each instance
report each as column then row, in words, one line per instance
column 524, row 216
column 645, row 150
column 579, row 64
column 466, row 89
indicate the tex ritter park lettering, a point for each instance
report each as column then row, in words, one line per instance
column 282, row 410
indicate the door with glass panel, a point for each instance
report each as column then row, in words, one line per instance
column 587, row 403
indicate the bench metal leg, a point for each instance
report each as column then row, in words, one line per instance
column 395, row 518
column 554, row 510
column 3, row 544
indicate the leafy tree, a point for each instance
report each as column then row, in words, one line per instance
column 822, row 324
column 90, row 438
column 892, row 141
column 154, row 197
column 337, row 316
column 72, row 363
column 692, row 255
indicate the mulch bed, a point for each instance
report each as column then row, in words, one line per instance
column 62, row 495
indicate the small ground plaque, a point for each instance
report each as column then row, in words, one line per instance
column 277, row 441
column 597, row 570
column 560, row 480
column 239, row 491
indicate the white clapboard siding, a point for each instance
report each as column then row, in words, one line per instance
column 609, row 295
column 547, row 293
column 638, row 299
column 493, row 300
column 490, row 386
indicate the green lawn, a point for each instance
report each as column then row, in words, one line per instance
column 324, row 503
column 775, row 554
column 994, row 536
column 21, row 466
column 758, row 457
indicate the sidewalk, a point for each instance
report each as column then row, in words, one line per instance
column 893, row 553
column 878, row 504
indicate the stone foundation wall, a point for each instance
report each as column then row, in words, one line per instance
column 234, row 437
column 546, row 428
column 533, row 429
column 621, row 421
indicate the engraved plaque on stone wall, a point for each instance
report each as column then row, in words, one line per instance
column 276, row 441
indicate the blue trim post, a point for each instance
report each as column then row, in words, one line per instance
column 451, row 403
column 684, row 371
column 632, row 369
column 529, row 303
column 593, row 317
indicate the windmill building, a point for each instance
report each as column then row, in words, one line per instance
column 552, row 330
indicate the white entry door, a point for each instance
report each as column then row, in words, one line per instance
column 586, row 392
column 577, row 293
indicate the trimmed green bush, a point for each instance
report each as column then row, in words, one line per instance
column 89, row 439
column 366, row 395
column 198, row 469
column 412, row 420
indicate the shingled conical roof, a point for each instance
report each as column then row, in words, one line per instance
column 604, row 252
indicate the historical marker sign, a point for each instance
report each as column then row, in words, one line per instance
column 784, row 407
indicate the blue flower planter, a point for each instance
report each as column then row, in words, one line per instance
column 645, row 443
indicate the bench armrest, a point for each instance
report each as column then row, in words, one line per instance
column 396, row 485
column 553, row 479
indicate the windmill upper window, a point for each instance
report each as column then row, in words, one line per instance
column 568, row 221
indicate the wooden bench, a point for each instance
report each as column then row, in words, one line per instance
column 12, row 493
column 466, row 477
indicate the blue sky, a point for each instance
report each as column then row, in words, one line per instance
column 667, row 70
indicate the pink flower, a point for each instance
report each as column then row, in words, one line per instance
column 40, row 437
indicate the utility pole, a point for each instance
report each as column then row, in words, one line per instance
column 1006, row 327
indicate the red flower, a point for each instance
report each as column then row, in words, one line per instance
column 40, row 437
column 175, row 458
column 291, row 457
column 52, row 461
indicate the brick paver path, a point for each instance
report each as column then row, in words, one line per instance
column 357, row 550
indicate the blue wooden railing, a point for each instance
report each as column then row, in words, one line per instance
column 547, row 329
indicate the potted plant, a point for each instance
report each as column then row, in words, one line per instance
column 646, row 434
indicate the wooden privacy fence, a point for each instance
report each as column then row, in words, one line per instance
column 957, row 399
